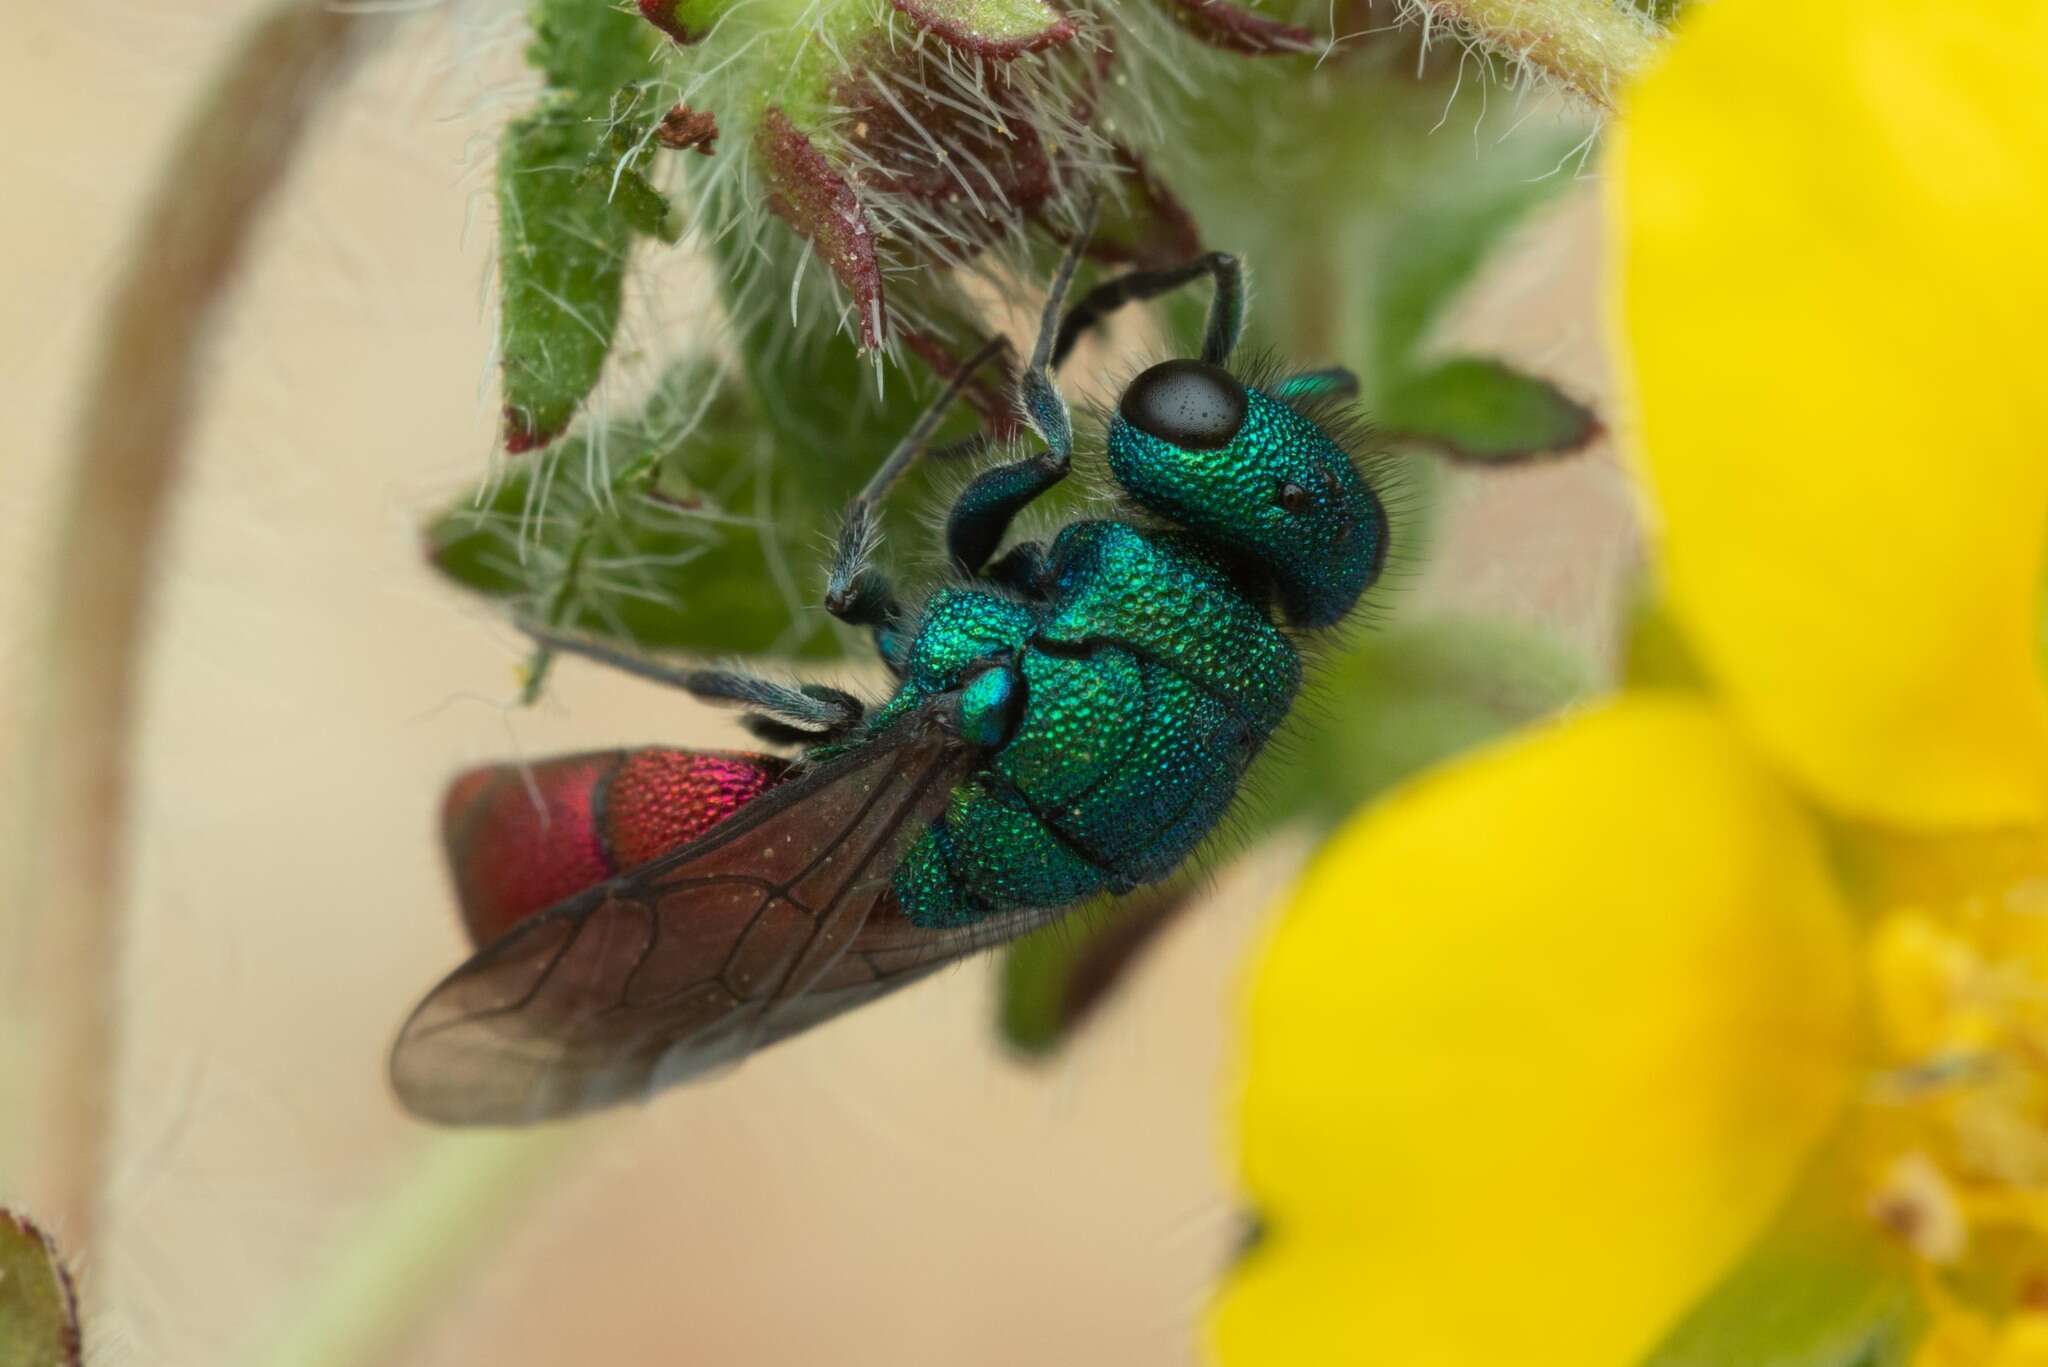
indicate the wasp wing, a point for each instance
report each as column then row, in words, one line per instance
column 887, row 953
column 693, row 959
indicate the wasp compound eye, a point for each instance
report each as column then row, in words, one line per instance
column 1195, row 406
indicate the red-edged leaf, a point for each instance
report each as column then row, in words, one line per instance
column 1237, row 29
column 999, row 29
column 807, row 190
column 685, row 21
column 38, row 1307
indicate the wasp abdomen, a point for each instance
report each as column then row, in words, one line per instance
column 521, row 838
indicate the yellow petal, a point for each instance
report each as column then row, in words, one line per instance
column 1831, row 218
column 2024, row 1342
column 1963, row 1339
column 1536, row 1049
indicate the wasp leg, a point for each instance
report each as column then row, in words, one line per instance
column 855, row 592
column 819, row 711
column 1226, row 308
column 983, row 513
column 769, row 731
column 1333, row 382
column 1021, row 569
column 870, row 602
column 893, row 644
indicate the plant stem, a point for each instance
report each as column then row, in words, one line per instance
column 129, row 446
column 1591, row 47
column 366, row 1307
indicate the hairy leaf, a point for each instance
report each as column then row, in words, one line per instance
column 703, row 522
column 998, row 29
column 589, row 47
column 685, row 21
column 1239, row 28
column 562, row 246
column 570, row 198
column 659, row 531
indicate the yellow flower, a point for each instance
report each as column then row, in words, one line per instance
column 1546, row 1041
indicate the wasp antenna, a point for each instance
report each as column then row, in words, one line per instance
column 1056, row 297
column 920, row 434
column 852, row 592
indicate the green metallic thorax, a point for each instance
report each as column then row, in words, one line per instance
column 1119, row 709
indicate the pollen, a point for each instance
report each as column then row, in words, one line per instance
column 1954, row 1132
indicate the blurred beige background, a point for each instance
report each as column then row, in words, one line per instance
column 891, row 1190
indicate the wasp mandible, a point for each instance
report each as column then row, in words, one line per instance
column 1068, row 719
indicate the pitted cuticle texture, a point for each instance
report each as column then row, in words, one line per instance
column 1150, row 681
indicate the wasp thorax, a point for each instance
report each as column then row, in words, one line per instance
column 1244, row 470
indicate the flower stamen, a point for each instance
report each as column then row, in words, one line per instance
column 1954, row 1125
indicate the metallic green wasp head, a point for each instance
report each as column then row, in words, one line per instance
column 1258, row 477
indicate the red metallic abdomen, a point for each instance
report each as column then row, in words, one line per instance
column 522, row 837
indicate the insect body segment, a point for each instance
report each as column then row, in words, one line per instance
column 1270, row 485
column 521, row 838
column 990, row 703
column 775, row 918
column 1068, row 718
column 1150, row 680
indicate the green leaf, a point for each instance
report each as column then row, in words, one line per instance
column 827, row 408
column 1031, row 989
column 1477, row 409
column 590, row 47
column 662, row 531
column 1819, row 1289
column 637, row 571
column 687, row 21
column 38, row 1309
column 562, row 244
column 1054, row 978
column 1401, row 699
column 701, row 523
column 567, row 212
column 645, row 208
